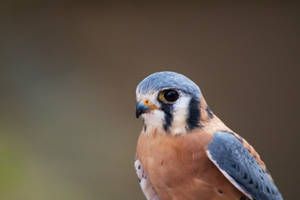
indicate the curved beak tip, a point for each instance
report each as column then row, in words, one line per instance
column 141, row 108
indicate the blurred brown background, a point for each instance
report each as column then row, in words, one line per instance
column 68, row 76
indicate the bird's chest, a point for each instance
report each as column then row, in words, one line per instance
column 172, row 161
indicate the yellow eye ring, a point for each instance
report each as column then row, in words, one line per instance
column 168, row 96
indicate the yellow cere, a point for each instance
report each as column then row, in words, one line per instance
column 147, row 103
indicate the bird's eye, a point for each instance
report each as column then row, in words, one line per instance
column 168, row 96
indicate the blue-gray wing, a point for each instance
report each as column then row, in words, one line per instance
column 241, row 168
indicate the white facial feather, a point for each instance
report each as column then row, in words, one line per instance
column 155, row 119
column 180, row 114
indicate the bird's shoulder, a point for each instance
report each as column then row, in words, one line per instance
column 215, row 125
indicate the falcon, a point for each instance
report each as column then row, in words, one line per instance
column 185, row 152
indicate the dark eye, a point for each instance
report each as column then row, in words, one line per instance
column 168, row 96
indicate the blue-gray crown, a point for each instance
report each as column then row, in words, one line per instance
column 167, row 79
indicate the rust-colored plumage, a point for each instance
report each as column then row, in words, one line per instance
column 179, row 168
column 185, row 152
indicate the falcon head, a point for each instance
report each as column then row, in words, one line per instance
column 168, row 102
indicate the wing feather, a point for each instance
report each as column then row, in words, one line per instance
column 239, row 166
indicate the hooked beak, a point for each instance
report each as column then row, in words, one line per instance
column 143, row 107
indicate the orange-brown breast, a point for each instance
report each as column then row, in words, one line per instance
column 179, row 169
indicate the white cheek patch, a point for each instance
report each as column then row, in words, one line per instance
column 154, row 120
column 180, row 114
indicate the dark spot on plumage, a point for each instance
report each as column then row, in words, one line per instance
column 256, row 185
column 268, row 189
column 245, row 176
column 144, row 125
column 209, row 113
column 228, row 132
column 144, row 175
column 251, row 181
column 238, row 168
column 193, row 120
column 168, row 110
column 240, row 139
column 139, row 167
column 162, row 163
column 243, row 198
column 139, row 180
column 233, row 165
